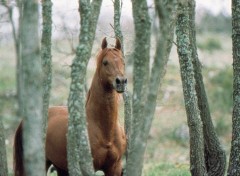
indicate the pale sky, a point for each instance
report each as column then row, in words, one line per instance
column 215, row 6
column 65, row 11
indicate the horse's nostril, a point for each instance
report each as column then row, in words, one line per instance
column 125, row 81
column 118, row 81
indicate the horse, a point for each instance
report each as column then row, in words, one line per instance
column 106, row 136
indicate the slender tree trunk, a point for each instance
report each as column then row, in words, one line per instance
column 143, row 115
column 127, row 119
column 46, row 57
column 78, row 144
column 126, row 95
column 117, row 19
column 215, row 157
column 234, row 161
column 18, row 49
column 166, row 17
column 17, row 43
column 34, row 161
column 197, row 162
column 3, row 152
column 140, row 77
column 141, row 57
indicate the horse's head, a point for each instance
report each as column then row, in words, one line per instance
column 111, row 67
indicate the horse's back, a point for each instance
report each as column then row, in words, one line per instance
column 56, row 140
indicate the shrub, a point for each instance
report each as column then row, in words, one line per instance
column 210, row 44
column 166, row 169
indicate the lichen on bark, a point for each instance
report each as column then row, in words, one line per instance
column 197, row 162
column 34, row 158
column 146, row 87
column 78, row 148
column 234, row 161
column 140, row 78
column 215, row 157
column 3, row 152
column 46, row 58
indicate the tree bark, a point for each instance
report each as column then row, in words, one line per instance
column 34, row 158
column 117, row 19
column 17, row 43
column 143, row 115
column 234, row 161
column 46, row 57
column 215, row 157
column 197, row 162
column 127, row 119
column 140, row 78
column 3, row 152
column 79, row 156
column 126, row 95
column 19, row 61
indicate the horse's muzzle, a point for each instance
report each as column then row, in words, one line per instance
column 120, row 84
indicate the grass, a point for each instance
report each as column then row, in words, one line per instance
column 166, row 169
column 167, row 151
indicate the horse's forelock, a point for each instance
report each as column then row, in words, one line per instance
column 103, row 53
column 100, row 56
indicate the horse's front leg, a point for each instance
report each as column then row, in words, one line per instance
column 114, row 170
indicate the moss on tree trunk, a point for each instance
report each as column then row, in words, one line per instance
column 146, row 84
column 34, row 158
column 215, row 158
column 197, row 162
column 46, row 57
column 3, row 152
column 78, row 149
column 234, row 161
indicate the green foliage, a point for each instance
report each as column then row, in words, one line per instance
column 220, row 97
column 214, row 23
column 221, row 88
column 7, row 80
column 210, row 44
column 166, row 169
column 180, row 134
column 53, row 174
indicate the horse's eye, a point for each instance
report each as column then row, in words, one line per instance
column 105, row 62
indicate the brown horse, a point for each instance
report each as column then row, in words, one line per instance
column 106, row 136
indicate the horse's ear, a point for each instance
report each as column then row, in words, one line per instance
column 104, row 43
column 118, row 44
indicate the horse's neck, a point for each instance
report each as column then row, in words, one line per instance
column 104, row 108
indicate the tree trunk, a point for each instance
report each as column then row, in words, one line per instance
column 127, row 119
column 34, row 158
column 140, row 77
column 3, row 152
column 215, row 157
column 146, row 94
column 18, row 49
column 197, row 162
column 234, row 161
column 117, row 19
column 126, row 95
column 78, row 144
column 46, row 57
column 16, row 39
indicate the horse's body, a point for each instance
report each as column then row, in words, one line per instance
column 107, row 138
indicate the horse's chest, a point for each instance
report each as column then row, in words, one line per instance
column 106, row 155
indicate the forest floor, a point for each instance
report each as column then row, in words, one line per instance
column 167, row 151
